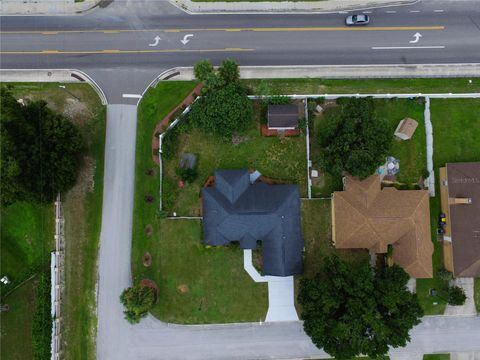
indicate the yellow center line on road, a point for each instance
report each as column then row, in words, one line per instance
column 110, row 51
column 255, row 29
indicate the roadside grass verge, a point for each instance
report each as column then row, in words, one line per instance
column 456, row 134
column 16, row 323
column 436, row 357
column 364, row 86
column 197, row 284
column 82, row 207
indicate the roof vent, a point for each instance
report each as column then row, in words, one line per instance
column 460, row 201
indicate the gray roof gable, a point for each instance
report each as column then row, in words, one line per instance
column 239, row 211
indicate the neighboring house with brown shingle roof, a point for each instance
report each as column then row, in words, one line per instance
column 365, row 216
column 460, row 195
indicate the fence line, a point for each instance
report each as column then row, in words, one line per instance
column 57, row 278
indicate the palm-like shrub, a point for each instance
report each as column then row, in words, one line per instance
column 137, row 301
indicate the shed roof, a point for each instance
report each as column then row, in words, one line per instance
column 407, row 127
column 236, row 210
column 282, row 116
column 464, row 182
column 367, row 217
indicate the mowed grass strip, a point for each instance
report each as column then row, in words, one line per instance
column 82, row 207
column 364, row 86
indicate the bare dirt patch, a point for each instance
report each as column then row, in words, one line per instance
column 150, row 172
column 182, row 288
column 76, row 111
column 148, row 230
column 147, row 259
column 149, row 199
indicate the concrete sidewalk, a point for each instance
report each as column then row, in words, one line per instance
column 45, row 7
column 196, row 7
column 341, row 71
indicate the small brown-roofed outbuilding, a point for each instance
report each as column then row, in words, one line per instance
column 406, row 128
column 368, row 217
column 460, row 195
column 282, row 117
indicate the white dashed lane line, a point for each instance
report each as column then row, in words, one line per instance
column 438, row 11
column 414, row 11
column 391, row 11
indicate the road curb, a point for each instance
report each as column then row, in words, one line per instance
column 51, row 75
column 46, row 8
column 283, row 7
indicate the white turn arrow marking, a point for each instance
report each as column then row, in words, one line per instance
column 417, row 37
column 186, row 39
column 157, row 39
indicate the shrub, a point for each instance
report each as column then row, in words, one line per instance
column 137, row 301
column 186, row 174
column 456, row 296
column 42, row 320
column 203, row 69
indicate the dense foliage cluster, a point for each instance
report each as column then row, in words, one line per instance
column 42, row 320
column 40, row 151
column 350, row 310
column 456, row 296
column 224, row 107
column 137, row 301
column 353, row 139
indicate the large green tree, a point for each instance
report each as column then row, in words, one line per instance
column 353, row 138
column 224, row 107
column 350, row 310
column 40, row 151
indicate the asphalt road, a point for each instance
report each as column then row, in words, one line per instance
column 109, row 41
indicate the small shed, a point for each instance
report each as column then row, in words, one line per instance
column 406, row 128
column 188, row 161
column 282, row 117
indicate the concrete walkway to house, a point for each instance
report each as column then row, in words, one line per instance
column 281, row 295
column 469, row 307
column 472, row 355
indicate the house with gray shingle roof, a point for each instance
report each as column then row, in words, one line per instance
column 235, row 209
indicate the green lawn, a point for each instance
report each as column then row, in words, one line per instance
column 456, row 130
column 16, row 324
column 317, row 235
column 411, row 153
column 282, row 159
column 365, row 86
column 436, row 357
column 197, row 284
column 31, row 226
column 27, row 239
